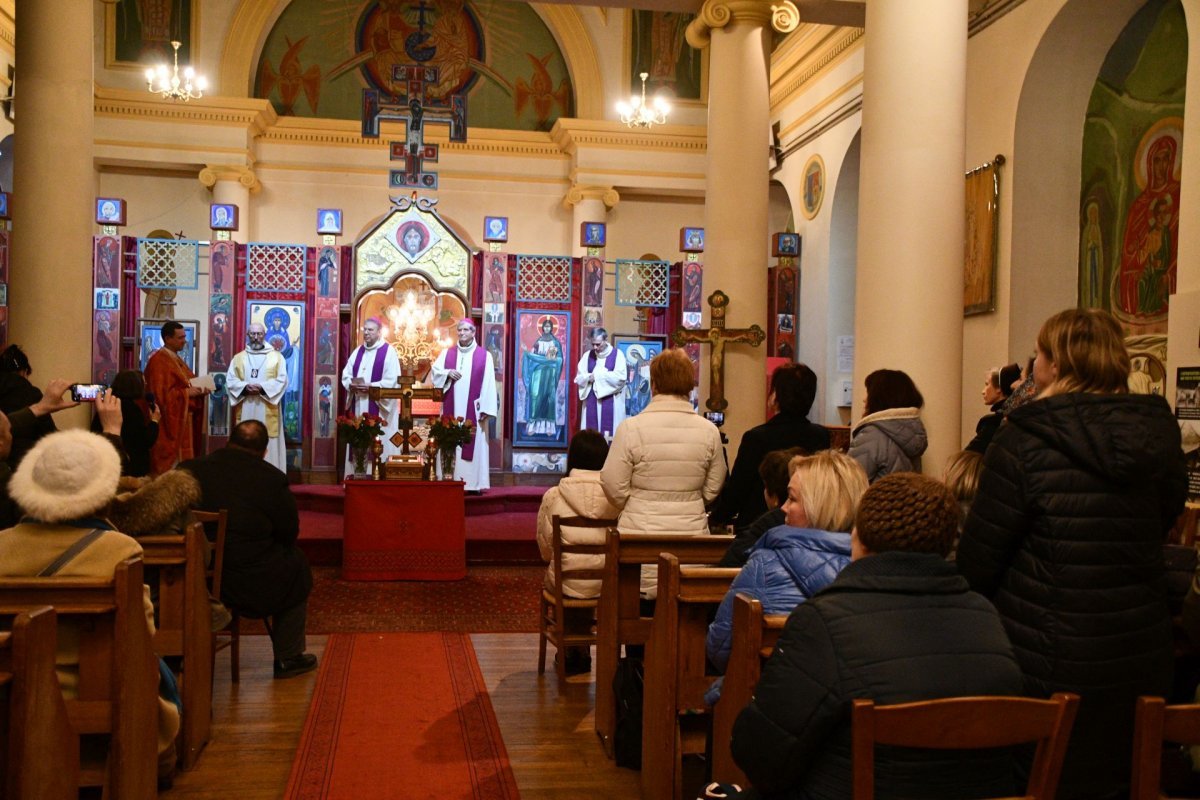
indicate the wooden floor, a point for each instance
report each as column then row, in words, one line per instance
column 547, row 727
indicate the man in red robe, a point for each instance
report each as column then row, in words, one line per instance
column 169, row 379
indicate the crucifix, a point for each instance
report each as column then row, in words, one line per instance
column 716, row 337
column 406, row 465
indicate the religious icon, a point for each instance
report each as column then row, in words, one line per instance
column 110, row 211
column 285, row 325
column 150, row 339
column 493, row 313
column 326, row 272
column 691, row 240
column 5, row 213
column 693, row 286
column 1149, row 244
column 785, row 244
column 104, row 341
column 493, row 343
column 539, row 462
column 593, row 281
column 324, row 406
column 108, row 250
column 329, row 221
column 638, row 350
column 221, row 258
column 107, row 299
column 541, row 385
column 325, row 343
column 785, row 323
column 413, row 239
column 223, row 217
column 495, row 229
column 593, row 234
column 495, row 277
column 812, row 186
column 218, row 407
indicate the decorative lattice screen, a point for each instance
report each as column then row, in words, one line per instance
column 168, row 263
column 642, row 283
column 275, row 268
column 545, row 279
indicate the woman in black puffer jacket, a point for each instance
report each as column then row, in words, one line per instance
column 1066, row 535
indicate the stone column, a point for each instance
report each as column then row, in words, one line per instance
column 54, row 183
column 233, row 183
column 588, row 204
column 908, row 289
column 735, row 212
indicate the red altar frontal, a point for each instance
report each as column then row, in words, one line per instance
column 404, row 530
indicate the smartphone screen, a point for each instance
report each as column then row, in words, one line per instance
column 86, row 392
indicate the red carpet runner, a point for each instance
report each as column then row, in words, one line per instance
column 401, row 715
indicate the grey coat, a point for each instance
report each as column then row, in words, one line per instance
column 889, row 441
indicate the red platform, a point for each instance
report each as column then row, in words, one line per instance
column 404, row 531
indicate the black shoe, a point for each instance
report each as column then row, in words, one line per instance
column 578, row 663
column 296, row 665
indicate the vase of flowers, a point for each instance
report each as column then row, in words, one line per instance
column 360, row 433
column 450, row 433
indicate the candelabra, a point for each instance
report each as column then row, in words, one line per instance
column 637, row 113
column 168, row 83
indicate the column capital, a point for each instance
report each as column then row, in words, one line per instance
column 211, row 174
column 782, row 15
column 580, row 192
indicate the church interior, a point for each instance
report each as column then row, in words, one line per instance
column 419, row 163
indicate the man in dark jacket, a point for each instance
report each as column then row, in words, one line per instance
column 793, row 388
column 897, row 625
column 265, row 573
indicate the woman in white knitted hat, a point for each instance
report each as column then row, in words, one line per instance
column 63, row 484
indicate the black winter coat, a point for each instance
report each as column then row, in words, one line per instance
column 741, row 500
column 1066, row 536
column 265, row 572
column 895, row 628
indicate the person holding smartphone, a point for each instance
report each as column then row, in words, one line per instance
column 139, row 421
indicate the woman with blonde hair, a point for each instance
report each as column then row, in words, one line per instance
column 1065, row 537
column 799, row 558
column 666, row 463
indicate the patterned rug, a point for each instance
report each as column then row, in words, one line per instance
column 489, row 600
column 401, row 715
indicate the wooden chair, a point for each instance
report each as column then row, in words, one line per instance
column 554, row 602
column 754, row 638
column 618, row 617
column 675, row 717
column 185, row 629
column 966, row 723
column 229, row 636
column 118, row 673
column 39, row 750
column 1156, row 722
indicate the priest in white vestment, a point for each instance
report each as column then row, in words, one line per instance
column 373, row 363
column 467, row 376
column 600, row 377
column 256, row 381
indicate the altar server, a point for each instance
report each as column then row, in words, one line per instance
column 256, row 381
column 467, row 375
column 373, row 363
column 600, row 377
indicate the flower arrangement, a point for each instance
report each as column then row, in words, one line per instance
column 360, row 433
column 448, row 433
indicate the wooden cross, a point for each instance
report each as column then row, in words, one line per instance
column 716, row 337
column 415, row 107
column 405, row 393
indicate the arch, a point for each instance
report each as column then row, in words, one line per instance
column 252, row 21
column 1047, row 149
column 843, row 260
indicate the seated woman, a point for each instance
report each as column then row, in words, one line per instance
column 139, row 421
column 795, row 561
column 890, row 437
column 579, row 494
column 63, row 483
column 897, row 625
column 775, row 473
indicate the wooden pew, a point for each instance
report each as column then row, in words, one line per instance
column 118, row 673
column 184, row 629
column 618, row 617
column 39, row 750
column 674, row 716
column 754, row 638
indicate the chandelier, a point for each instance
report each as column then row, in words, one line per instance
column 637, row 113
column 162, row 81
column 410, row 332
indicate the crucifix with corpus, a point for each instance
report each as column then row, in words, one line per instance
column 717, row 336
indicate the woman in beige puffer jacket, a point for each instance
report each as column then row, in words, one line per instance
column 666, row 463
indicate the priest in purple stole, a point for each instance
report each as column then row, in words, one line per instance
column 600, row 377
column 467, row 376
column 373, row 363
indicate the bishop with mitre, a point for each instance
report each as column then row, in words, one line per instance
column 467, row 377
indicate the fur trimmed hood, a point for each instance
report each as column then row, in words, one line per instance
column 156, row 505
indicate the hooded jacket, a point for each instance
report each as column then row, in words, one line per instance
column 580, row 494
column 786, row 567
column 889, row 441
column 1066, row 537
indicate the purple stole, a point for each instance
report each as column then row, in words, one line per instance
column 376, row 372
column 606, row 404
column 478, row 365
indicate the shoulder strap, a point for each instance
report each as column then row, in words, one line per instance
column 69, row 554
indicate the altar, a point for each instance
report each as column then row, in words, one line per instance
column 404, row 530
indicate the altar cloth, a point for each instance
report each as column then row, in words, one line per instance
column 404, row 530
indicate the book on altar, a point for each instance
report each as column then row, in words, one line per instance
column 204, row 382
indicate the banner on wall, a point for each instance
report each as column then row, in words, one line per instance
column 782, row 290
column 222, row 273
column 325, row 358
column 106, row 308
column 494, row 334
